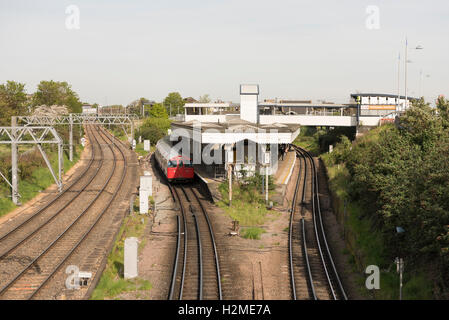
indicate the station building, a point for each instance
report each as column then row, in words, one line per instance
column 226, row 128
column 230, row 134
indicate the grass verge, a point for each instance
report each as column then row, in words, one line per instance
column 40, row 180
column 139, row 149
column 365, row 244
column 253, row 233
column 112, row 282
column 247, row 206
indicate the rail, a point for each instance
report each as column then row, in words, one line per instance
column 337, row 291
column 61, row 235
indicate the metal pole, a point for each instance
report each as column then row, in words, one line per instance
column 401, row 268
column 132, row 133
column 60, row 165
column 230, row 182
column 266, row 184
column 263, row 183
column 406, row 50
column 14, row 159
column 70, row 138
column 399, row 81
column 420, row 83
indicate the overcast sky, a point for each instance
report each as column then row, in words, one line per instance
column 318, row 49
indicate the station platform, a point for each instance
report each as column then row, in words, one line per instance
column 208, row 176
column 285, row 168
column 283, row 176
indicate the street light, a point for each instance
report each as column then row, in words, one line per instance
column 418, row 47
column 170, row 107
column 400, row 264
column 421, row 76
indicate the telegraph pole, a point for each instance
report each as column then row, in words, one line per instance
column 70, row 137
column 14, row 159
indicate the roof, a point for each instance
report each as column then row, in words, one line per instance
column 237, row 125
column 166, row 149
column 207, row 105
column 308, row 105
column 355, row 95
column 249, row 89
column 190, row 100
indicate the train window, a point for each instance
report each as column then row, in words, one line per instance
column 188, row 164
column 180, row 163
column 172, row 164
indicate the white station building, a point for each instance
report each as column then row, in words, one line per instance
column 273, row 124
column 233, row 134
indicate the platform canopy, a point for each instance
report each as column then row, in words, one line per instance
column 237, row 130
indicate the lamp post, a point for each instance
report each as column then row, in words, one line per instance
column 399, row 264
column 169, row 107
column 421, row 76
column 418, row 47
column 399, row 81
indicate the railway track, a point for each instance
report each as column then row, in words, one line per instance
column 313, row 273
column 38, row 247
column 196, row 271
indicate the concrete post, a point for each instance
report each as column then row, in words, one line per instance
column 14, row 159
column 70, row 137
column 145, row 190
column 146, row 145
column 130, row 257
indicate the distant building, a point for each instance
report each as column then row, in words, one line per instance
column 190, row 100
column 88, row 109
column 379, row 104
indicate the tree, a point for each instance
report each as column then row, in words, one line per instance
column 12, row 101
column 174, row 101
column 154, row 129
column 421, row 124
column 57, row 93
column 158, row 111
column 204, row 98
column 443, row 110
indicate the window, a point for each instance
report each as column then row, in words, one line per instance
column 188, row 164
column 172, row 164
column 180, row 163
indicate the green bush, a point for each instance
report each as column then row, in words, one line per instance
column 398, row 176
column 252, row 233
column 154, row 129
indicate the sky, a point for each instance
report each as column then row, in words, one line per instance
column 322, row 49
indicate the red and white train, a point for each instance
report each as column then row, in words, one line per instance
column 174, row 166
